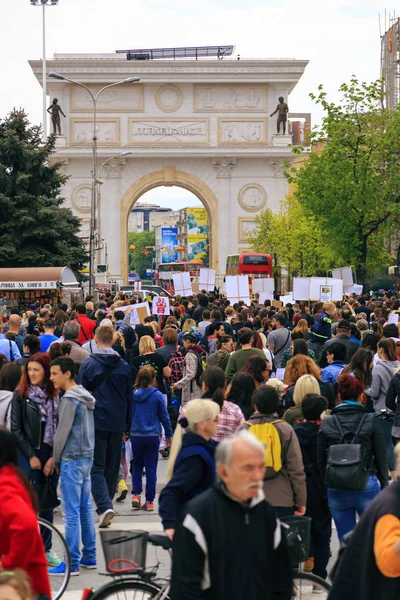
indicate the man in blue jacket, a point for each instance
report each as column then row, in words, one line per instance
column 109, row 378
column 335, row 357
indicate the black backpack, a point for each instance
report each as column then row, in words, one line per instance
column 347, row 467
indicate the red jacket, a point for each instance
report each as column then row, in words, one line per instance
column 21, row 544
column 86, row 331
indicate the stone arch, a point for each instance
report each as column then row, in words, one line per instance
column 169, row 176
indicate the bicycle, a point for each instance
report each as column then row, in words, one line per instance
column 130, row 576
column 58, row 583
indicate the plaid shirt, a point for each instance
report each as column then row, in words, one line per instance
column 230, row 418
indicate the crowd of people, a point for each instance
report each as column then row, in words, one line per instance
column 263, row 412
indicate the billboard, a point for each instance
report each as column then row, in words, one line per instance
column 197, row 234
column 169, row 241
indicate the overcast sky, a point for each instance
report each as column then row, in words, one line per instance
column 339, row 38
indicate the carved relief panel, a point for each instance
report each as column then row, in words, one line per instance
column 107, row 131
column 242, row 132
column 171, row 132
column 81, row 198
column 169, row 98
column 124, row 98
column 252, row 197
column 230, row 98
column 245, row 227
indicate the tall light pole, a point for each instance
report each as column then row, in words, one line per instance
column 43, row 4
column 94, row 98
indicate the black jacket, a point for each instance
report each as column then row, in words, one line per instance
column 370, row 437
column 351, row 348
column 26, row 424
column 393, row 398
column 226, row 550
column 191, row 477
column 358, row 577
column 317, row 501
column 327, row 390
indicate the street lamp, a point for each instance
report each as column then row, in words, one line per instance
column 94, row 151
column 43, row 4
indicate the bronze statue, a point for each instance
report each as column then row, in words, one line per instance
column 55, row 110
column 282, row 109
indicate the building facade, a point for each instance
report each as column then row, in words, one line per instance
column 203, row 125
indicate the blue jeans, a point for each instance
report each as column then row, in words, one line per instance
column 345, row 504
column 107, row 456
column 145, row 454
column 78, row 511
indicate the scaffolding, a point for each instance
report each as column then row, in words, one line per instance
column 390, row 63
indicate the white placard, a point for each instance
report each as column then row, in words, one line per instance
column 263, row 284
column 394, row 318
column 280, row 374
column 353, row 289
column 317, row 282
column 345, row 273
column 265, row 296
column 237, row 288
column 301, row 288
column 207, row 279
column 135, row 317
column 161, row 305
column 182, row 284
column 287, row 299
column 325, row 293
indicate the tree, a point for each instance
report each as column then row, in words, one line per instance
column 294, row 239
column 35, row 229
column 140, row 257
column 351, row 185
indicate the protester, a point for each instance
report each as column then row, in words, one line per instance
column 191, row 468
column 240, row 391
column 170, row 343
column 148, row 357
column 8, row 347
column 31, row 346
column 71, row 334
column 220, row 358
column 279, row 339
column 317, row 509
column 87, row 326
column 190, row 384
column 335, row 357
column 258, row 368
column 14, row 327
column 205, row 553
column 48, row 336
column 306, row 384
column 148, row 414
column 343, row 337
column 240, row 358
column 351, row 488
column 284, row 484
column 21, row 546
column 109, row 379
column 34, row 419
column 303, row 365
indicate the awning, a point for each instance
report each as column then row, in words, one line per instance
column 37, row 278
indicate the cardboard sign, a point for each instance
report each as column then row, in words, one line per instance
column 182, row 284
column 138, row 314
column 277, row 303
column 345, row 273
column 207, row 279
column 237, row 288
column 263, row 284
column 394, row 318
column 301, row 288
column 325, row 293
column 161, row 305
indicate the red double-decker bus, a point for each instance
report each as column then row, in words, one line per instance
column 249, row 263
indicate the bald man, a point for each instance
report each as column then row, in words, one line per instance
column 14, row 324
column 230, row 544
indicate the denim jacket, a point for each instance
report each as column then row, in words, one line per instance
column 75, row 434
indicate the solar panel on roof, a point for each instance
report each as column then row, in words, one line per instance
column 175, row 53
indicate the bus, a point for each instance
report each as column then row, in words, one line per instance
column 248, row 263
column 166, row 270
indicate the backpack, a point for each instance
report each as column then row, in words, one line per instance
column 203, row 343
column 346, row 467
column 176, row 362
column 268, row 435
column 200, row 367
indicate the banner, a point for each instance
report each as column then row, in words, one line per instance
column 169, row 241
column 197, row 233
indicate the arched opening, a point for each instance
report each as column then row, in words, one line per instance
column 168, row 177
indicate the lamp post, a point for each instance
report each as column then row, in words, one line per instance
column 43, row 4
column 94, row 98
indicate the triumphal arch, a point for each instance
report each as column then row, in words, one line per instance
column 195, row 121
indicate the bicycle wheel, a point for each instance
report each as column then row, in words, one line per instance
column 306, row 585
column 59, row 547
column 130, row 589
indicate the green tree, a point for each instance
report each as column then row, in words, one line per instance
column 35, row 228
column 294, row 239
column 351, row 184
column 140, row 257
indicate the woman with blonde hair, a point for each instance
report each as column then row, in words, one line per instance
column 301, row 327
column 189, row 326
column 303, row 365
column 306, row 384
column 191, row 468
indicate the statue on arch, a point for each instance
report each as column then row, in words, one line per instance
column 55, row 110
column 282, row 109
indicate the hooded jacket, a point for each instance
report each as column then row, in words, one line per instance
column 218, row 359
column 382, row 374
column 75, row 432
column 148, row 413
column 5, row 408
column 109, row 378
column 225, row 549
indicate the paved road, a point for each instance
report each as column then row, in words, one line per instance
column 128, row 519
